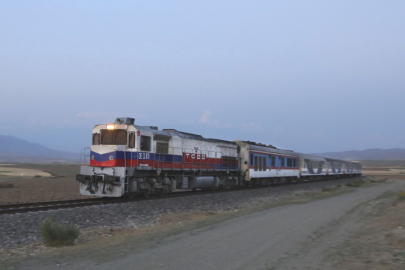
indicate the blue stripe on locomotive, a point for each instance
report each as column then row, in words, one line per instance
column 135, row 156
column 151, row 156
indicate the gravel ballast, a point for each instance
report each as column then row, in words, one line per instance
column 21, row 229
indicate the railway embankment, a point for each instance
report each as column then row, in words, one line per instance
column 19, row 233
column 322, row 222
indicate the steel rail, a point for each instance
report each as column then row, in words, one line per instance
column 65, row 204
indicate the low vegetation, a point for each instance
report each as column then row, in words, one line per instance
column 379, row 180
column 355, row 183
column 401, row 196
column 7, row 186
column 330, row 188
column 57, row 234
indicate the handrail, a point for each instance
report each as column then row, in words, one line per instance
column 83, row 156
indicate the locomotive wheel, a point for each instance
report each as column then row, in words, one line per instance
column 160, row 193
column 146, row 193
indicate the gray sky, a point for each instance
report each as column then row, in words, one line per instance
column 310, row 76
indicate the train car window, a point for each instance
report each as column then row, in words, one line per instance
column 131, row 140
column 251, row 159
column 260, row 163
column 264, row 163
column 145, row 143
column 114, row 137
column 270, row 161
column 282, row 162
column 273, row 161
column 256, row 164
column 96, row 139
column 162, row 148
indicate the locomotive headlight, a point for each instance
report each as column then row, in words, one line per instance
column 110, row 127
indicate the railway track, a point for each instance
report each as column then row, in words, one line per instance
column 55, row 205
column 65, row 204
column 46, row 206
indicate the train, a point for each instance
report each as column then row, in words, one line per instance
column 131, row 160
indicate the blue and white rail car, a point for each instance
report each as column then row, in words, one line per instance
column 266, row 165
column 312, row 167
column 131, row 159
column 357, row 169
column 335, row 166
column 351, row 168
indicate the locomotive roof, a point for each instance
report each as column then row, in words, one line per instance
column 180, row 134
column 186, row 135
column 152, row 129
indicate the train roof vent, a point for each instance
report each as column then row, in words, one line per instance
column 260, row 144
column 125, row 120
column 187, row 135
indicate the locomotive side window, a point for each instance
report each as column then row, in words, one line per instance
column 131, row 140
column 162, row 148
column 145, row 143
column 273, row 161
column 96, row 139
column 114, row 137
column 251, row 159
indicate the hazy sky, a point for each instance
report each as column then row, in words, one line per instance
column 310, row 76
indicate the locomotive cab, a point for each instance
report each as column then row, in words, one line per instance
column 106, row 173
column 123, row 160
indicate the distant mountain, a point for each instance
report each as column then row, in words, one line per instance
column 369, row 154
column 16, row 150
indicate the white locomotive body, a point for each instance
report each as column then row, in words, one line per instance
column 130, row 159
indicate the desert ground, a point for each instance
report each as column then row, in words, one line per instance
column 367, row 231
column 20, row 183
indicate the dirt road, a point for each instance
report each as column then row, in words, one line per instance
column 292, row 236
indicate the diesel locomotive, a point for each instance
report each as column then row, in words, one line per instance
column 128, row 160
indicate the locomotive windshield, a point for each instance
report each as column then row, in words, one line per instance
column 113, row 137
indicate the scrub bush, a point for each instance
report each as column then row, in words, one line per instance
column 355, row 183
column 56, row 234
column 325, row 189
column 401, row 196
